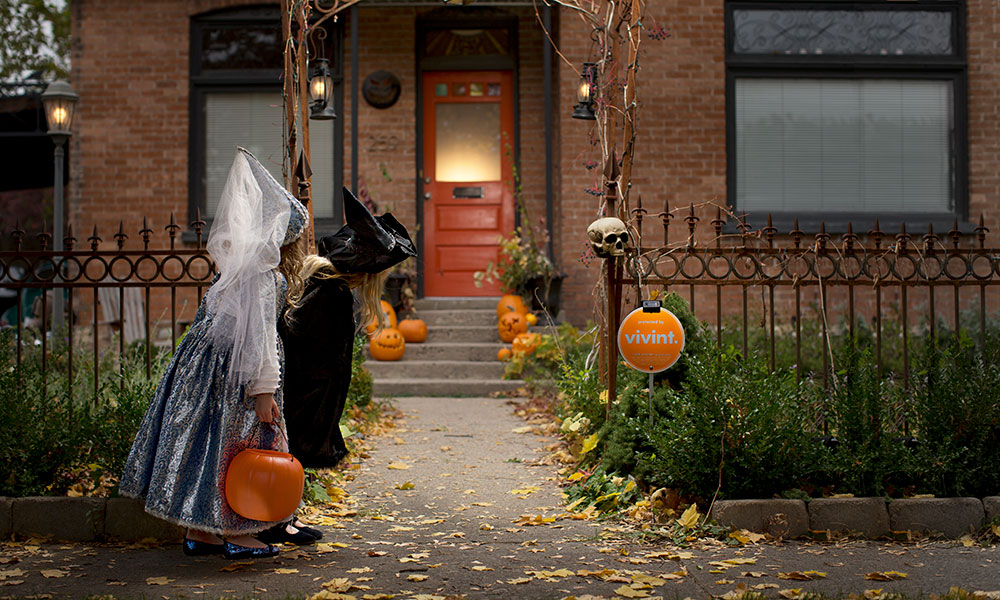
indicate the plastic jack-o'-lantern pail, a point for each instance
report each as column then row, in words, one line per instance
column 264, row 485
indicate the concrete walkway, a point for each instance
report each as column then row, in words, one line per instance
column 447, row 505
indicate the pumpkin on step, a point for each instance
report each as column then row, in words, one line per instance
column 526, row 343
column 510, row 325
column 511, row 303
column 388, row 344
column 503, row 354
column 413, row 330
column 387, row 313
column 532, row 319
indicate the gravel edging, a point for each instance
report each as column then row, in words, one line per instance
column 123, row 519
column 869, row 517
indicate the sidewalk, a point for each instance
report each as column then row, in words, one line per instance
column 466, row 528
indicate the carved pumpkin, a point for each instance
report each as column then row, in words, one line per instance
column 503, row 354
column 511, row 303
column 526, row 343
column 387, row 345
column 413, row 330
column 264, row 485
column 532, row 319
column 388, row 313
column 510, row 325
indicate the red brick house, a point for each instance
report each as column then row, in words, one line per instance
column 821, row 110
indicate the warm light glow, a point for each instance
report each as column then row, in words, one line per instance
column 583, row 92
column 467, row 142
column 317, row 88
column 59, row 116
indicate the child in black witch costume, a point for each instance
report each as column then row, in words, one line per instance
column 318, row 336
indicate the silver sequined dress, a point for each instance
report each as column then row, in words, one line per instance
column 197, row 421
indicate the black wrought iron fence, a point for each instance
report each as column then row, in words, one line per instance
column 762, row 281
column 118, row 289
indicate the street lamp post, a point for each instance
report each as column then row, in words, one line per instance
column 59, row 101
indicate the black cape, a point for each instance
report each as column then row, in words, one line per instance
column 318, row 339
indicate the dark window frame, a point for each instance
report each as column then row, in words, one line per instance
column 251, row 80
column 952, row 68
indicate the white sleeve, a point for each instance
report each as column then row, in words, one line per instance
column 269, row 376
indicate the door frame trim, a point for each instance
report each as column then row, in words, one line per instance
column 468, row 19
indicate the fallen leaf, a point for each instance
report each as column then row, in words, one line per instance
column 766, row 586
column 519, row 580
column 417, row 578
column 398, row 466
column 158, row 581
column 690, row 517
column 53, row 573
column 286, row 571
column 802, row 575
column 629, row 592
column 525, row 429
column 10, row 573
column 408, row 485
column 589, row 444
column 236, row 566
column 754, row 574
column 885, row 576
column 481, row 568
column 360, row 570
column 792, row 594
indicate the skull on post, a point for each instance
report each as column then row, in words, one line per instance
column 608, row 237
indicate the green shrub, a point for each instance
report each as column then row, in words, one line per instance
column 359, row 392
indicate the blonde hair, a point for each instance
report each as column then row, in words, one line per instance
column 292, row 257
column 369, row 286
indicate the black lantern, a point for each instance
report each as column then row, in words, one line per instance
column 585, row 93
column 321, row 91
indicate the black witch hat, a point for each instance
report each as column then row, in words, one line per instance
column 366, row 243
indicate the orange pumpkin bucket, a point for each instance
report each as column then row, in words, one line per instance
column 264, row 485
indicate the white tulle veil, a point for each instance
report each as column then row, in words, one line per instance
column 245, row 243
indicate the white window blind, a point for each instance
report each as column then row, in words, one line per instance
column 254, row 120
column 843, row 145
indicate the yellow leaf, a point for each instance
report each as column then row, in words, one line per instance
column 519, row 580
column 578, row 476
column 802, row 575
column 629, row 592
column 237, row 566
column 10, row 573
column 339, row 545
column 405, row 486
column 792, row 594
column 360, row 570
column 481, row 568
column 157, row 580
column 589, row 444
column 398, row 466
column 754, row 574
column 525, row 429
column 740, row 561
column 690, row 517
column 967, row 541
column 417, row 577
column 724, row 582
column 766, row 586
column 885, row 576
column 680, row 555
column 51, row 573
column 525, row 491
column 286, row 571
column 338, row 584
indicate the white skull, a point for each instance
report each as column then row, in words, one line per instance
column 608, row 236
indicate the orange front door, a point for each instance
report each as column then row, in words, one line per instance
column 468, row 177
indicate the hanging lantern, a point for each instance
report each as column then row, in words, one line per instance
column 321, row 91
column 585, row 93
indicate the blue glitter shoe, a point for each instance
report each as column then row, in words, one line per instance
column 232, row 551
column 196, row 548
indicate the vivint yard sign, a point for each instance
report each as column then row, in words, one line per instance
column 651, row 338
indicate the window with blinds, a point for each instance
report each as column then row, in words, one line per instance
column 841, row 112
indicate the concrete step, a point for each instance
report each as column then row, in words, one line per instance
column 434, row 369
column 443, row 387
column 455, row 303
column 472, row 334
column 484, row 352
column 465, row 316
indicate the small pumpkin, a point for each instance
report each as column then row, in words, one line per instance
column 388, row 314
column 510, row 325
column 413, row 330
column 526, row 343
column 511, row 303
column 264, row 485
column 388, row 344
column 532, row 319
column 503, row 354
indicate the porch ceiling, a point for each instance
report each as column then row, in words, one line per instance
column 441, row 3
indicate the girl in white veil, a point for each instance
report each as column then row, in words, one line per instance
column 222, row 392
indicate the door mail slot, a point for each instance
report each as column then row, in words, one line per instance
column 467, row 192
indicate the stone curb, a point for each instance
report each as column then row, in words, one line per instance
column 123, row 519
column 871, row 517
column 82, row 520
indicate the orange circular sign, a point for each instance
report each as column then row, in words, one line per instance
column 651, row 341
